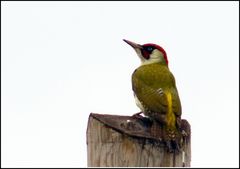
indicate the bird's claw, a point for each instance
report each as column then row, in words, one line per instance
column 137, row 115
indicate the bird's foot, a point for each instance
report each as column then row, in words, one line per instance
column 137, row 115
column 147, row 122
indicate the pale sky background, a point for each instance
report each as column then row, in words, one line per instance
column 60, row 61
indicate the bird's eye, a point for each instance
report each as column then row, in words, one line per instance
column 149, row 48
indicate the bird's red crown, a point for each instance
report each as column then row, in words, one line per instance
column 157, row 47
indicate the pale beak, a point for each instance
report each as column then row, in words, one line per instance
column 134, row 45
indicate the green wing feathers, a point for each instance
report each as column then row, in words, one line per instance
column 153, row 84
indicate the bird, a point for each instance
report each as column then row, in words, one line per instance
column 155, row 91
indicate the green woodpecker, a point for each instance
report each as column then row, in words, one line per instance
column 155, row 91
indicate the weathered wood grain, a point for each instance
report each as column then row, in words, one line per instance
column 108, row 146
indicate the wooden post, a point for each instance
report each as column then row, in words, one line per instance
column 127, row 141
